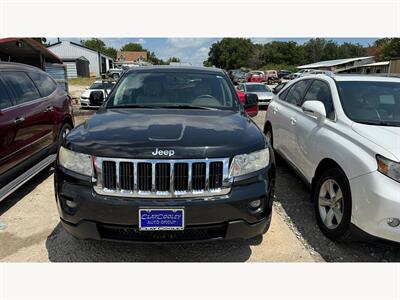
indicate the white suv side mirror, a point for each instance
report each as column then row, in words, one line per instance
column 314, row 108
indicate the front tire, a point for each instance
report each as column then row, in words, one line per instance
column 65, row 129
column 333, row 204
column 268, row 134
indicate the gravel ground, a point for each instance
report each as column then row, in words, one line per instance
column 294, row 206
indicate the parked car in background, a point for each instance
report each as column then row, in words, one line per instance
column 342, row 135
column 290, row 76
column 252, row 111
column 263, row 92
column 276, row 89
column 115, row 73
column 98, row 85
column 300, row 73
column 256, row 76
column 271, row 77
column 35, row 115
column 316, row 72
column 241, row 76
column 161, row 162
column 232, row 76
column 283, row 73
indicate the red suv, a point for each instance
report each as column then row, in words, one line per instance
column 35, row 115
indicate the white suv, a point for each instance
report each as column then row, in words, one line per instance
column 341, row 133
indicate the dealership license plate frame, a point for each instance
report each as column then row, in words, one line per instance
column 144, row 226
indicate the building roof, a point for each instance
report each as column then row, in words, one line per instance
column 131, row 55
column 10, row 46
column 381, row 63
column 331, row 63
column 80, row 45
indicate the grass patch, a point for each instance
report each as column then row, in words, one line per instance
column 86, row 81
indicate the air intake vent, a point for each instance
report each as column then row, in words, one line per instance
column 215, row 175
column 144, row 177
column 163, row 176
column 199, row 176
column 109, row 178
column 181, row 176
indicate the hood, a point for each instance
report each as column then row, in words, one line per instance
column 137, row 133
column 387, row 137
column 263, row 95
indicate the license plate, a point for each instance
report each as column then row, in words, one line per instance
column 161, row 219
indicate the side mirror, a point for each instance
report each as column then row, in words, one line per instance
column 251, row 100
column 96, row 97
column 314, row 108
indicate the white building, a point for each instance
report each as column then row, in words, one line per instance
column 73, row 55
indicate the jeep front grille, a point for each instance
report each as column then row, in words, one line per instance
column 147, row 178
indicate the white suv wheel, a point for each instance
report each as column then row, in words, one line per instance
column 330, row 203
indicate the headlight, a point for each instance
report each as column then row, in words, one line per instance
column 246, row 163
column 74, row 161
column 388, row 167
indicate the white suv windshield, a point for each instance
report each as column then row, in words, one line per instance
column 173, row 89
column 371, row 102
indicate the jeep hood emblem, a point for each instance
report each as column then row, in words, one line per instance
column 163, row 152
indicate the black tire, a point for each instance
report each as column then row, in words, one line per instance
column 63, row 131
column 268, row 131
column 343, row 229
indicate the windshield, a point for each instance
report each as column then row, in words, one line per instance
column 257, row 88
column 371, row 102
column 173, row 88
column 102, row 86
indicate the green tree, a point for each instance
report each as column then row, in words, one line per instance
column 132, row 47
column 173, row 59
column 286, row 53
column 314, row 50
column 99, row 45
column 387, row 48
column 230, row 53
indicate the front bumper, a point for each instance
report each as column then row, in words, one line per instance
column 226, row 217
column 376, row 198
column 85, row 103
column 263, row 102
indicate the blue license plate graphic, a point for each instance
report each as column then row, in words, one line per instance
column 161, row 219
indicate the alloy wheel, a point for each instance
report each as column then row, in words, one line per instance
column 331, row 205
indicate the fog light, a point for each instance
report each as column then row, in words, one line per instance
column 255, row 203
column 71, row 204
column 393, row 222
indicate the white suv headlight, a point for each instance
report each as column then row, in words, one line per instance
column 76, row 162
column 388, row 167
column 247, row 163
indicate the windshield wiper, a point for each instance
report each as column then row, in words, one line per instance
column 133, row 106
column 382, row 123
column 188, row 106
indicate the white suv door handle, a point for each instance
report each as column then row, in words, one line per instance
column 293, row 120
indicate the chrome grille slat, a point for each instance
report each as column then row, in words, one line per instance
column 149, row 178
